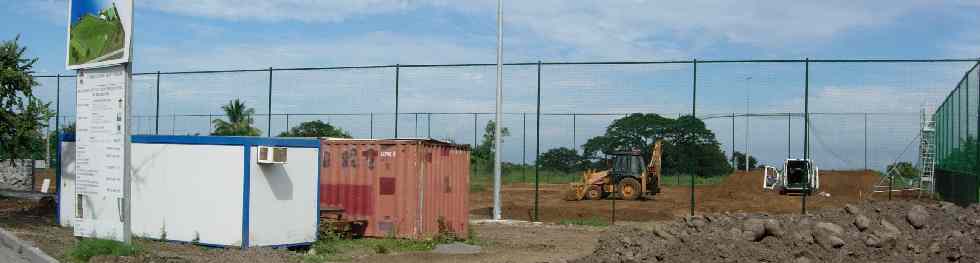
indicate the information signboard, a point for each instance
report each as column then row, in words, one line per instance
column 99, row 35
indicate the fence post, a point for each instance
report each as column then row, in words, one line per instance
column 397, row 73
column 173, row 123
column 287, row 122
column 789, row 135
column 574, row 125
column 976, row 165
column 734, row 161
column 416, row 125
column 428, row 125
column 371, row 126
column 268, row 132
column 694, row 108
column 474, row 129
column 157, row 126
column 57, row 153
column 866, row 141
column 524, row 147
column 806, row 128
column 537, row 142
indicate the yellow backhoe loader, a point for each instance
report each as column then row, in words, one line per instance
column 628, row 178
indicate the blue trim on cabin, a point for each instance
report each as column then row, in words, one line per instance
column 316, row 222
column 245, row 194
column 216, row 140
column 227, row 140
column 304, row 244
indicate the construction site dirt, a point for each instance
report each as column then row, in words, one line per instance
column 740, row 192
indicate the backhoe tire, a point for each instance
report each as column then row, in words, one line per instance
column 594, row 193
column 629, row 189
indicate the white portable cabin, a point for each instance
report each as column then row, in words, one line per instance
column 215, row 191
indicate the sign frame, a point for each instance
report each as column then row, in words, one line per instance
column 124, row 14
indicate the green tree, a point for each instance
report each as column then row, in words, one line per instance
column 482, row 156
column 22, row 115
column 54, row 141
column 315, row 128
column 689, row 147
column 902, row 169
column 740, row 161
column 561, row 159
column 239, row 122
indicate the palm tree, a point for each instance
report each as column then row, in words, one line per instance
column 239, row 121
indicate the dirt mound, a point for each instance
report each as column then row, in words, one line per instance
column 899, row 231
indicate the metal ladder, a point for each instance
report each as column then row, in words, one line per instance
column 927, row 153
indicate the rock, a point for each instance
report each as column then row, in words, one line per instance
column 880, row 238
column 828, row 240
column 735, row 233
column 935, row 248
column 456, row 248
column 851, row 209
column 917, row 216
column 659, row 231
column 828, row 235
column 888, row 226
column 804, row 236
column 773, row 228
column 915, row 249
column 801, row 260
column 949, row 208
column 862, row 222
column 831, row 227
column 696, row 222
column 753, row 229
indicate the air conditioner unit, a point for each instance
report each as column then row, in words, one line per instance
column 272, row 155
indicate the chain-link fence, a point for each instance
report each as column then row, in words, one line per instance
column 956, row 126
column 855, row 119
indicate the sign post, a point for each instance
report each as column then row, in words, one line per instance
column 99, row 37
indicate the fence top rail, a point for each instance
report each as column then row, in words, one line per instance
column 637, row 62
column 584, row 114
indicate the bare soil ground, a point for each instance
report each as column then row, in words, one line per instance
column 515, row 242
column 739, row 192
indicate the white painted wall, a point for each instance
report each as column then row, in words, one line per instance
column 283, row 201
column 66, row 202
column 189, row 192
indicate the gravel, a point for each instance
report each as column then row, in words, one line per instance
column 863, row 232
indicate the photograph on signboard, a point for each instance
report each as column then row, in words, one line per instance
column 99, row 32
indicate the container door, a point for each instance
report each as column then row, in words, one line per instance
column 388, row 186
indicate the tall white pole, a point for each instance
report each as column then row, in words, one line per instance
column 747, row 86
column 497, row 122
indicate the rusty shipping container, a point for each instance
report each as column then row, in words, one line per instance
column 401, row 187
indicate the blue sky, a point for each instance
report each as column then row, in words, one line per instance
column 185, row 35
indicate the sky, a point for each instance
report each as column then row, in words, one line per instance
column 185, row 35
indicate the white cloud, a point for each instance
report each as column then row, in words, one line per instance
column 607, row 29
column 282, row 10
column 374, row 48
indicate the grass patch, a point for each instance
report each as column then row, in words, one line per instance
column 334, row 247
column 89, row 247
column 518, row 176
column 592, row 221
column 685, row 180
